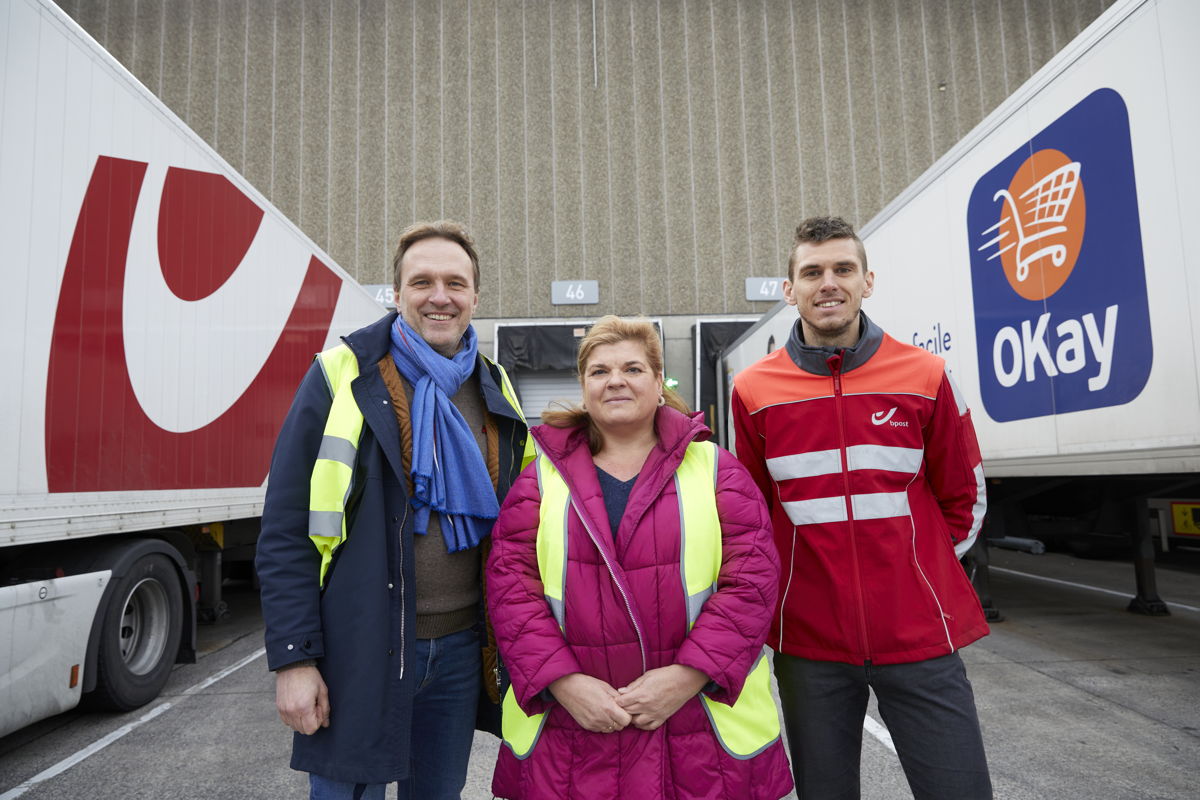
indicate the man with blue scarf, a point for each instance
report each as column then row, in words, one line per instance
column 386, row 480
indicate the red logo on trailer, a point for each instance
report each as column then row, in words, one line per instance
column 98, row 437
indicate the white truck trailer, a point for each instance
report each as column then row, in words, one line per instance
column 1049, row 258
column 157, row 315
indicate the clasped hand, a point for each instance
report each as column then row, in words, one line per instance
column 646, row 703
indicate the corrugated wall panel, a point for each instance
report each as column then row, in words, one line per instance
column 315, row 119
column 538, row 110
column 259, row 55
column 346, row 120
column 119, row 29
column 286, row 135
column 232, row 81
column 148, row 42
column 681, row 247
column 651, row 198
column 424, row 166
column 176, row 43
column 398, row 129
column 883, row 57
column 204, row 50
column 665, row 148
column 370, row 202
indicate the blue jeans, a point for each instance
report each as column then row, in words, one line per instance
column 447, row 674
column 928, row 708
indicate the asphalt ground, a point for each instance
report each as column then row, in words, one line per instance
column 1078, row 698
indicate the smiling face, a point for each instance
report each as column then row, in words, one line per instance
column 620, row 390
column 436, row 292
column 827, row 286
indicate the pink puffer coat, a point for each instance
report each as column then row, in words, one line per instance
column 605, row 638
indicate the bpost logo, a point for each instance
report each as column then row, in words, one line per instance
column 98, row 435
column 1061, row 317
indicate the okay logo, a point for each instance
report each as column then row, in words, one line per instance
column 1059, row 284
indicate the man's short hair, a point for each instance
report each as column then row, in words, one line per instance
column 816, row 230
column 441, row 229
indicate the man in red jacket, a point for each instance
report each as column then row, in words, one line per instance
column 866, row 454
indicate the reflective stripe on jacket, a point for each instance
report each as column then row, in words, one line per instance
column 869, row 462
column 360, row 626
column 333, row 471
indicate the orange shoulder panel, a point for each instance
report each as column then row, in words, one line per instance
column 897, row 368
column 776, row 379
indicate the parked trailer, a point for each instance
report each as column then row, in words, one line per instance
column 157, row 314
column 1048, row 258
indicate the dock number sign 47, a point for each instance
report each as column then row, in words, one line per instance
column 1057, row 274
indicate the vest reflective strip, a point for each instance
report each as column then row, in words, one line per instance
column 334, row 448
column 333, row 471
column 519, row 731
column 510, row 394
column 699, row 529
column 752, row 723
column 552, row 548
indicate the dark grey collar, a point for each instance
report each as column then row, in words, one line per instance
column 815, row 359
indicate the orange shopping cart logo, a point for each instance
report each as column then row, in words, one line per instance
column 1058, row 282
column 1041, row 226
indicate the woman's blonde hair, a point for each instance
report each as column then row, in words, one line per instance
column 612, row 329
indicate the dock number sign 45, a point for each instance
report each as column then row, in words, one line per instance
column 1059, row 283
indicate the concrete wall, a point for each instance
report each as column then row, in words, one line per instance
column 665, row 149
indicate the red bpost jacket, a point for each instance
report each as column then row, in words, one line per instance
column 870, row 466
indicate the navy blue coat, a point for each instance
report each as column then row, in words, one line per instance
column 360, row 627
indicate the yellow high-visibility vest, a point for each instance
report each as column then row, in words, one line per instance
column 744, row 729
column 333, row 472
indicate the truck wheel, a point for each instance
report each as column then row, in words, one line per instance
column 140, row 635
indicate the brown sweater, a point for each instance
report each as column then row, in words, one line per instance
column 448, row 585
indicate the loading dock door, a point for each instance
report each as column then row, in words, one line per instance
column 540, row 359
column 539, row 389
column 711, row 337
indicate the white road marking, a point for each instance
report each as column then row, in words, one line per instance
column 880, row 732
column 1067, row 583
column 100, row 744
column 872, row 727
column 232, row 668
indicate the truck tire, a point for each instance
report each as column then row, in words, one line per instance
column 139, row 638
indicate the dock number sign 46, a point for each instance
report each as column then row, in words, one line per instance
column 1059, row 283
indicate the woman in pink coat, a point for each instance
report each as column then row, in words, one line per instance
column 617, row 690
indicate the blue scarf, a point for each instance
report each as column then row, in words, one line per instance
column 443, row 444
